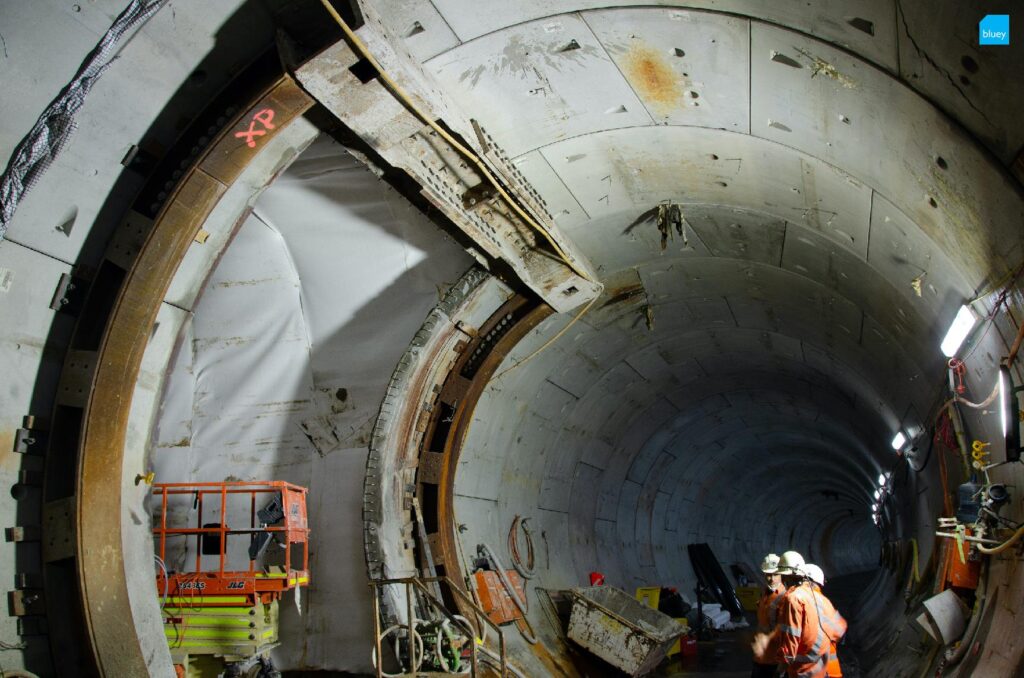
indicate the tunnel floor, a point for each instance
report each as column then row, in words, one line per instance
column 728, row 654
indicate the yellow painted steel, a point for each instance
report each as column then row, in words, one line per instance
column 221, row 611
column 200, row 599
column 193, row 631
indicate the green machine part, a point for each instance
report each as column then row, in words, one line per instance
column 230, row 633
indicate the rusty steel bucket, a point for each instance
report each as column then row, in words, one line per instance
column 611, row 624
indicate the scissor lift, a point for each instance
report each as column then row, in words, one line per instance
column 217, row 610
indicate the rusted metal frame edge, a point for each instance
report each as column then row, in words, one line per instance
column 460, row 428
column 394, row 436
column 99, row 556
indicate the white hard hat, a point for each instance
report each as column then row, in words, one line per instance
column 814, row 573
column 790, row 562
column 770, row 564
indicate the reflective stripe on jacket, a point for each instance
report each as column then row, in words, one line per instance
column 767, row 617
column 808, row 626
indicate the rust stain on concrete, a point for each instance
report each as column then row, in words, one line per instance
column 652, row 78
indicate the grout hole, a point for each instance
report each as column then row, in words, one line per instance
column 941, row 162
column 969, row 64
column 931, row 201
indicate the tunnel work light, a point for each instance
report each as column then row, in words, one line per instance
column 881, row 479
column 962, row 325
column 898, row 440
column 1008, row 411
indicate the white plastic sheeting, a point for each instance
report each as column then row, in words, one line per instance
column 281, row 371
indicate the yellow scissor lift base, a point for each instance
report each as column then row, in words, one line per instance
column 232, row 633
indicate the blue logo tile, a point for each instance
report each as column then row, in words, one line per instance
column 994, row 29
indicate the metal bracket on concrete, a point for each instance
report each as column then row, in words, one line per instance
column 31, row 437
column 59, row 527
column 25, row 602
column 69, row 294
column 22, row 533
column 76, row 378
column 128, row 238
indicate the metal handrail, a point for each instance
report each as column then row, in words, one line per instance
column 419, row 583
column 221, row 491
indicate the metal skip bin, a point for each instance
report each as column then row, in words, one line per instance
column 619, row 629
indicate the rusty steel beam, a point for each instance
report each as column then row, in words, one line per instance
column 100, row 560
column 480, row 359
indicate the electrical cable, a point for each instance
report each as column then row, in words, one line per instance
column 416, row 638
column 167, row 583
column 445, row 633
column 528, row 633
column 397, row 90
column 1015, row 346
column 961, row 439
column 1005, row 545
column 928, row 454
column 549, row 341
column 1011, row 280
column 525, row 571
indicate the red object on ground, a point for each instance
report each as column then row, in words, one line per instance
column 596, row 579
column 687, row 646
column 494, row 597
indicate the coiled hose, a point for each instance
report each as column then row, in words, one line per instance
column 526, row 571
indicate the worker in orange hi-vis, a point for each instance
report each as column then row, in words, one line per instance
column 766, row 641
column 832, row 622
column 809, row 627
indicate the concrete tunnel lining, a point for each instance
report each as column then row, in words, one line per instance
column 613, row 460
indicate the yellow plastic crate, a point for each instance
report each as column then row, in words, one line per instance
column 649, row 596
column 674, row 650
column 749, row 596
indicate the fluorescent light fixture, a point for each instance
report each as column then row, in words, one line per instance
column 878, row 493
column 898, row 440
column 881, row 479
column 962, row 325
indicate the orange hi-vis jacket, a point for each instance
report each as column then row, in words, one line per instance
column 809, row 627
column 767, row 619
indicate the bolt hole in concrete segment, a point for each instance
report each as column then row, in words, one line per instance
column 969, row 64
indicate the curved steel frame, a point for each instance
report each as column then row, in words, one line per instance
column 100, row 560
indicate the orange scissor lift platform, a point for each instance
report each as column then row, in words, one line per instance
column 221, row 606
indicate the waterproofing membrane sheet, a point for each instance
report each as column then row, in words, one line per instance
column 282, row 369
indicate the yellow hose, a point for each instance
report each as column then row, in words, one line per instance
column 468, row 154
column 1005, row 545
column 549, row 341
